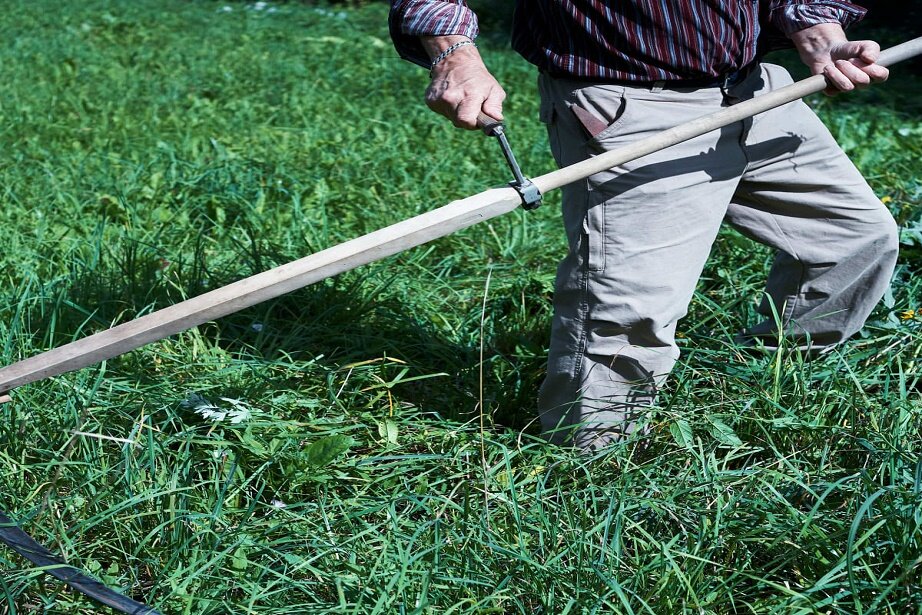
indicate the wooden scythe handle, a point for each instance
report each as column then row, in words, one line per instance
column 707, row 123
column 385, row 242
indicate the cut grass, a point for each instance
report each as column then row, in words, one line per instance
column 156, row 149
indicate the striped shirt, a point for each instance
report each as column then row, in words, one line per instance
column 638, row 41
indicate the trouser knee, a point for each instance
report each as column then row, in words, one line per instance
column 889, row 237
column 870, row 246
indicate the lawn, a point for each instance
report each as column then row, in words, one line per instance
column 368, row 444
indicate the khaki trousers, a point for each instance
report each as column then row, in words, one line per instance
column 639, row 236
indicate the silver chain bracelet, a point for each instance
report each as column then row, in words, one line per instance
column 448, row 51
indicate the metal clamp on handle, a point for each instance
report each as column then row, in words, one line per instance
column 531, row 196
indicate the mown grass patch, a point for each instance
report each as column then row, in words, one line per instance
column 323, row 452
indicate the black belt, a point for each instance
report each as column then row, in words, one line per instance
column 724, row 81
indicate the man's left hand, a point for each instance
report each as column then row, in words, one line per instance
column 847, row 65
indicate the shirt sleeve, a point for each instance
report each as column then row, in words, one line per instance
column 790, row 16
column 410, row 19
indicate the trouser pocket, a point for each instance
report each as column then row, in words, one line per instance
column 581, row 121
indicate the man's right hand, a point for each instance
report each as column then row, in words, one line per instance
column 461, row 85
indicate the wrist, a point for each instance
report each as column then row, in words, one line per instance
column 440, row 48
column 448, row 53
column 813, row 43
column 466, row 56
column 434, row 45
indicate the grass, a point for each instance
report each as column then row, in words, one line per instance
column 323, row 452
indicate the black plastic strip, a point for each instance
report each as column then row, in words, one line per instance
column 24, row 545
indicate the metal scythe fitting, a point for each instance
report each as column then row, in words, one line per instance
column 528, row 191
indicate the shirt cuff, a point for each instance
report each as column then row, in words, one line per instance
column 798, row 16
column 410, row 19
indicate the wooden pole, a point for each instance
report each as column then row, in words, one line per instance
column 382, row 243
column 707, row 123
column 260, row 287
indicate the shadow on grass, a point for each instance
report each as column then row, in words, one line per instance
column 335, row 323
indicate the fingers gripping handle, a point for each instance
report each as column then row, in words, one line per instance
column 490, row 126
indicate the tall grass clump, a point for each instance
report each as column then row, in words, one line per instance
column 349, row 448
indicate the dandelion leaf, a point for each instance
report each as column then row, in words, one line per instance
column 326, row 449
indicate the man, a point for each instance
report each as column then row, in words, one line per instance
column 612, row 72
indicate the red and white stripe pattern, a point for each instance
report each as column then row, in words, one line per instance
column 637, row 41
